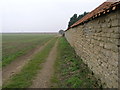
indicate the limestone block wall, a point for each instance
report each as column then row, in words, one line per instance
column 97, row 43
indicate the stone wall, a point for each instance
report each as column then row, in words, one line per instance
column 97, row 43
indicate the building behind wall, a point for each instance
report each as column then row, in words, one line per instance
column 96, row 39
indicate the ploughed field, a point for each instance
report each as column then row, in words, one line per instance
column 16, row 45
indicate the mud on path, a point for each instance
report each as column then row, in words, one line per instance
column 42, row 80
column 16, row 66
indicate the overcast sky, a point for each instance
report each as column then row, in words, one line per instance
column 42, row 15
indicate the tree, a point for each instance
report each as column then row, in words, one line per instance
column 62, row 32
column 74, row 18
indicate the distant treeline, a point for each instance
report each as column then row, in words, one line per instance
column 75, row 18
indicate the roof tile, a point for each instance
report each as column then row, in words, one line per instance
column 102, row 9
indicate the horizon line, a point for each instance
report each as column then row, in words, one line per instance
column 28, row 32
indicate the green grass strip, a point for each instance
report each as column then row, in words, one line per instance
column 70, row 70
column 7, row 60
column 29, row 71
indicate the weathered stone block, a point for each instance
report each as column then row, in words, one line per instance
column 115, row 35
column 115, row 23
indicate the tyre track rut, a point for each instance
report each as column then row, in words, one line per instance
column 42, row 80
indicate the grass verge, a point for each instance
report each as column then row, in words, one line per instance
column 25, row 77
column 70, row 71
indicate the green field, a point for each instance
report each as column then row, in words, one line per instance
column 16, row 45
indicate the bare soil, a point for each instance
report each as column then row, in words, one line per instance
column 16, row 66
column 42, row 80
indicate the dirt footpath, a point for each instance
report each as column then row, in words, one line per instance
column 16, row 66
column 44, row 75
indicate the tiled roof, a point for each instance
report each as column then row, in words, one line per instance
column 104, row 8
